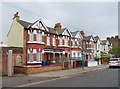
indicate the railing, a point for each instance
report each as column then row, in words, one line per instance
column 76, row 58
column 62, row 59
column 67, row 59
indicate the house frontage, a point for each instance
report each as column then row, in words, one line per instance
column 48, row 48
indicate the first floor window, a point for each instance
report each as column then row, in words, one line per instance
column 31, row 37
column 60, row 41
column 66, row 42
column 54, row 41
column 39, row 56
column 48, row 40
column 39, row 37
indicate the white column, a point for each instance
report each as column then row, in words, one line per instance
column 10, row 65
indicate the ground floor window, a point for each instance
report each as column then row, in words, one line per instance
column 39, row 56
column 31, row 57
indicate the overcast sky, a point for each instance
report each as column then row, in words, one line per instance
column 96, row 18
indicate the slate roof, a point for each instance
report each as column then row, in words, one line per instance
column 74, row 33
column 52, row 30
column 87, row 38
column 61, row 31
column 24, row 23
column 103, row 42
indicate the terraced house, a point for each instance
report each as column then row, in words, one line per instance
column 43, row 45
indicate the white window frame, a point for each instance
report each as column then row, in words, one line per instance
column 66, row 42
column 54, row 41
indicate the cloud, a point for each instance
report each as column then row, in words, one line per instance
column 97, row 18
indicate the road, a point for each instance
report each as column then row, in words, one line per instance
column 100, row 78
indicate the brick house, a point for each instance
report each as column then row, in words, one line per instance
column 97, row 47
column 43, row 45
column 40, row 43
column 89, row 43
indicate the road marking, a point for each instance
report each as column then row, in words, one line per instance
column 41, row 82
column 56, row 78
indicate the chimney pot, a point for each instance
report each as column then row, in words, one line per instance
column 16, row 16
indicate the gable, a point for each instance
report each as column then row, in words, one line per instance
column 39, row 25
column 91, row 39
column 78, row 35
column 66, row 32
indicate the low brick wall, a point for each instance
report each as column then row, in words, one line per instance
column 32, row 70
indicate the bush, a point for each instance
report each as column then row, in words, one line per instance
column 105, row 58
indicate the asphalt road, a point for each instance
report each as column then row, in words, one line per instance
column 100, row 78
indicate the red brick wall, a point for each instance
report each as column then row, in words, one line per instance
column 37, row 70
column 4, row 60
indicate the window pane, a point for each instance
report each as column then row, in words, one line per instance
column 31, row 57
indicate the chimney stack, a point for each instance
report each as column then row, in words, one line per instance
column 57, row 26
column 82, row 33
column 16, row 17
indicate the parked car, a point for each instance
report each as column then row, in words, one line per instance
column 114, row 62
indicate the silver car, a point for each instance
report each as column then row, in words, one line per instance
column 114, row 62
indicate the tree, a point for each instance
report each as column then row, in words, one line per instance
column 115, row 51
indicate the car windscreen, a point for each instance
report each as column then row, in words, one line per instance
column 113, row 59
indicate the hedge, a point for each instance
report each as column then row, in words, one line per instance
column 105, row 58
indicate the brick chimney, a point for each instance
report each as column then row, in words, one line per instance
column 58, row 26
column 82, row 33
column 108, row 38
column 16, row 17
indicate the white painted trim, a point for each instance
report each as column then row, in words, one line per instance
column 34, row 51
column 36, row 42
column 34, row 32
column 33, row 62
column 63, row 46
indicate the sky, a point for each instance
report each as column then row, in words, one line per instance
column 95, row 18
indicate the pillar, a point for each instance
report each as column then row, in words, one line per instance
column 10, row 63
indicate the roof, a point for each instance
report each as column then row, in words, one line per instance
column 52, row 30
column 87, row 38
column 24, row 23
column 103, row 42
column 96, row 38
column 61, row 31
column 74, row 33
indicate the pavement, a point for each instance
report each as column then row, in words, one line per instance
column 69, row 72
